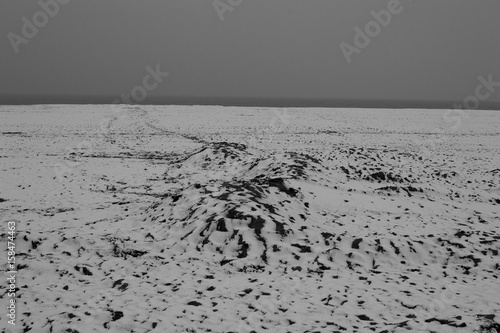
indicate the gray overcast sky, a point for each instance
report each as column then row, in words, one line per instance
column 432, row 50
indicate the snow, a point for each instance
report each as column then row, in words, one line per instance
column 214, row 219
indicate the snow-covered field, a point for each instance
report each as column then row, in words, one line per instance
column 212, row 219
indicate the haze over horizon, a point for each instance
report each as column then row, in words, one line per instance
column 427, row 53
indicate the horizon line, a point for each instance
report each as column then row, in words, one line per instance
column 240, row 102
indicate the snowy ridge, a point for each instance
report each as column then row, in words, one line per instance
column 248, row 213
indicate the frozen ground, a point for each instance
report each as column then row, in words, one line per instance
column 210, row 219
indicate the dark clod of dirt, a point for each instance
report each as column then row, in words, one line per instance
column 445, row 322
column 461, row 233
column 225, row 261
column 116, row 315
column 121, row 286
column 364, row 317
column 243, row 248
column 280, row 229
column 280, row 184
column 117, row 282
column 355, row 244
column 303, row 248
column 13, row 133
column 486, row 316
column 84, row 270
column 221, row 225
column 118, row 252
